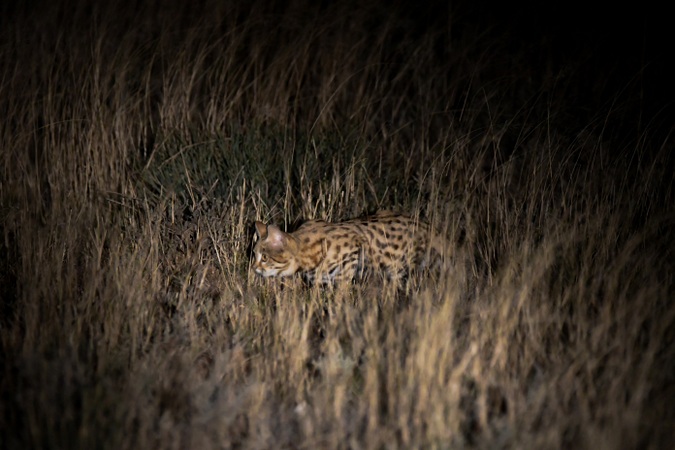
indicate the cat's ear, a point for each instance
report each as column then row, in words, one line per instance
column 276, row 238
column 261, row 230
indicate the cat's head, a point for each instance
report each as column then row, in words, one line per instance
column 274, row 252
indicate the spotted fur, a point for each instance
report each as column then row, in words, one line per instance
column 387, row 243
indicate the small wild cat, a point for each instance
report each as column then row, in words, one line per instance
column 331, row 252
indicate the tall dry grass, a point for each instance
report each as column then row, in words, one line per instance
column 139, row 142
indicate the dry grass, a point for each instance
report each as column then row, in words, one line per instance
column 138, row 146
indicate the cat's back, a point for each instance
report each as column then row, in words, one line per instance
column 387, row 223
column 311, row 226
column 383, row 228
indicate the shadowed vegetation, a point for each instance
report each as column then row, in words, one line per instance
column 140, row 142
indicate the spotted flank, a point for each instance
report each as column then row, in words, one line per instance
column 327, row 253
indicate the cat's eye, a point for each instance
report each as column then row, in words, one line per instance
column 263, row 257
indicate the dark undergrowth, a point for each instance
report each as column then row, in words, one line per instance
column 140, row 142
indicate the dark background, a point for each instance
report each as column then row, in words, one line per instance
column 618, row 53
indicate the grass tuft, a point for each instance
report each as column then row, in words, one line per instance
column 140, row 144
